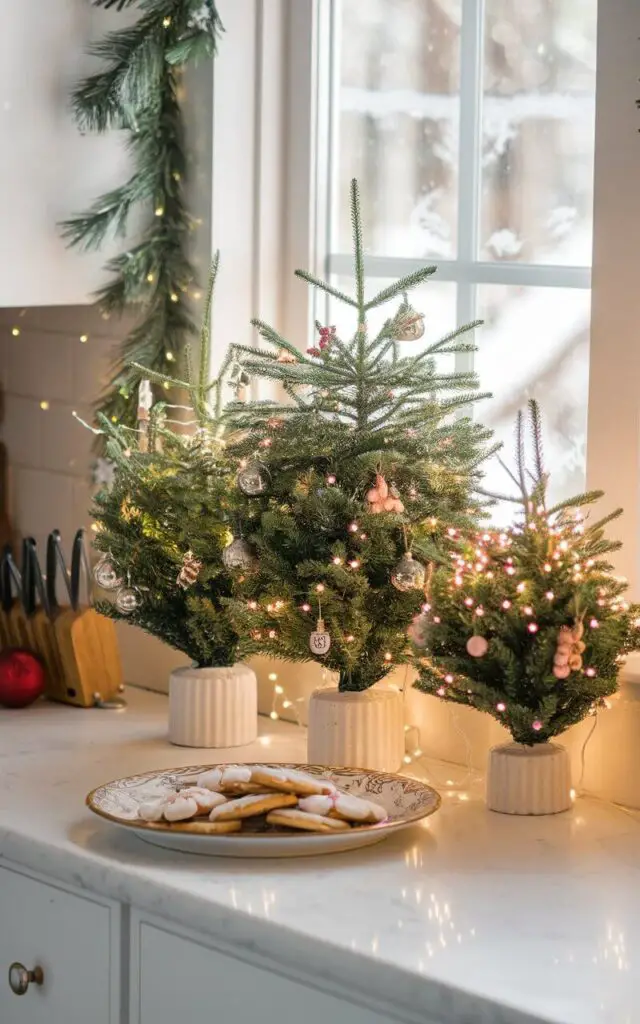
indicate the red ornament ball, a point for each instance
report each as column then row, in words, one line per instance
column 22, row 678
column 477, row 646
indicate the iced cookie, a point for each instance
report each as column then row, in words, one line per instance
column 287, row 780
column 250, row 806
column 225, row 778
column 152, row 810
column 295, row 818
column 207, row 828
column 204, row 798
column 345, row 806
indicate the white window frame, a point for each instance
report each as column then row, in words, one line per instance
column 271, row 140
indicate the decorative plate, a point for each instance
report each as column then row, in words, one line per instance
column 406, row 801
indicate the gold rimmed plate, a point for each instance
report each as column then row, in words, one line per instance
column 405, row 800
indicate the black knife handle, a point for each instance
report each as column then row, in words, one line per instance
column 9, row 578
column 80, row 568
column 55, row 562
column 32, row 581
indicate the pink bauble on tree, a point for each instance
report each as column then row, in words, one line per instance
column 477, row 646
column 22, row 678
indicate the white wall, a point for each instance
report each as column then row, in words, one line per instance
column 48, row 171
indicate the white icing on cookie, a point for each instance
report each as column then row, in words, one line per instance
column 205, row 798
column 152, row 810
column 180, row 808
column 210, row 780
column 316, row 804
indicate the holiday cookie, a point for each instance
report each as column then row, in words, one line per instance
column 225, row 778
column 288, row 780
column 295, row 818
column 204, row 798
column 250, row 806
column 344, row 806
column 207, row 828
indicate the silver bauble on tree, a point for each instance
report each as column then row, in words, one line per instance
column 239, row 555
column 127, row 600
column 408, row 574
column 253, row 479
column 105, row 574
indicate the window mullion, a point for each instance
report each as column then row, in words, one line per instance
column 471, row 65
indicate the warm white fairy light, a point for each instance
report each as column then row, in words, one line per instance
column 479, row 611
column 506, row 605
column 150, row 278
column 354, row 527
column 354, row 563
column 159, row 211
column 528, row 610
column 594, row 624
column 337, row 560
column 319, row 588
column 305, row 607
column 590, row 672
column 388, row 656
column 510, row 571
column 174, row 297
column 547, row 567
column 448, row 678
column 44, row 405
column 533, row 627
column 549, row 595
column 331, row 479
column 521, row 587
column 500, row 706
column 84, row 338
column 441, row 691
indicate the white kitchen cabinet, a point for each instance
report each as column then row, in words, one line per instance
column 74, row 940
column 176, row 979
column 48, row 170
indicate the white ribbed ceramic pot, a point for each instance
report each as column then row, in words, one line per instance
column 213, row 707
column 529, row 780
column 357, row 730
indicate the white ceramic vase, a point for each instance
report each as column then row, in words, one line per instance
column 529, row 780
column 213, row 707
column 357, row 729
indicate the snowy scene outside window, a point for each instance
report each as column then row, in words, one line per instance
column 470, row 125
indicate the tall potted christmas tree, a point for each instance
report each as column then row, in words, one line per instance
column 530, row 625
column 169, row 556
column 352, row 486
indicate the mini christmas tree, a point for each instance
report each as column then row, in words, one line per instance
column 351, row 483
column 529, row 623
column 164, row 526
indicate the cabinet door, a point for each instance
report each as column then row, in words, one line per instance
column 180, row 980
column 70, row 938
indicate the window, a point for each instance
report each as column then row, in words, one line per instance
column 470, row 125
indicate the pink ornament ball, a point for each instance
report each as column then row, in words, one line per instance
column 477, row 646
column 561, row 671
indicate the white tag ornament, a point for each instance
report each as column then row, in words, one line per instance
column 320, row 640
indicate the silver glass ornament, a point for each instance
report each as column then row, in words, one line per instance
column 408, row 574
column 127, row 600
column 239, row 555
column 105, row 574
column 253, row 479
column 410, row 326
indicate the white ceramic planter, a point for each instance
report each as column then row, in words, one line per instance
column 213, row 707
column 357, row 730
column 529, row 780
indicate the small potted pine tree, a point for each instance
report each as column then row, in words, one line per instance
column 529, row 624
column 169, row 556
column 349, row 487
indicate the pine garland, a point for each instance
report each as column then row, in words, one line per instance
column 138, row 91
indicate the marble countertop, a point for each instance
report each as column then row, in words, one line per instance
column 468, row 917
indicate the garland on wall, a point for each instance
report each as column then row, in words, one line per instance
column 139, row 91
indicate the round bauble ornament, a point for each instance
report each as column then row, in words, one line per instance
column 105, row 574
column 22, row 678
column 320, row 640
column 253, row 479
column 239, row 555
column 410, row 326
column 477, row 646
column 127, row 600
column 408, row 574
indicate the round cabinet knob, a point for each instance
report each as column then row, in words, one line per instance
column 20, row 978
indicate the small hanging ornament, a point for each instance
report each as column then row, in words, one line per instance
column 382, row 498
column 477, row 646
column 127, row 600
column 284, row 356
column 253, row 479
column 408, row 574
column 327, row 335
column 409, row 325
column 105, row 575
column 145, row 401
column 569, row 650
column 314, row 351
column 320, row 640
column 190, row 571
column 418, row 631
column 239, row 555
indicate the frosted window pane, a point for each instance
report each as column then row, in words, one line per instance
column 538, row 131
column 398, row 112
column 535, row 344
